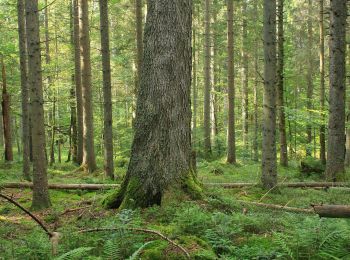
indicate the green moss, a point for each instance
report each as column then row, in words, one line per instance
column 155, row 251
column 192, row 187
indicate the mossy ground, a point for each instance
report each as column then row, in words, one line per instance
column 214, row 227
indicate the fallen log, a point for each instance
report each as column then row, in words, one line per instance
column 287, row 184
column 273, row 206
column 79, row 186
column 332, row 211
column 57, row 186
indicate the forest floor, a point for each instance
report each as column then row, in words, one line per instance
column 217, row 227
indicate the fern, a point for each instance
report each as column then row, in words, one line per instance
column 333, row 245
column 280, row 240
column 111, row 250
column 77, row 253
column 138, row 251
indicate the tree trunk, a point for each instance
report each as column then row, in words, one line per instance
column 89, row 162
column 6, row 118
column 24, row 89
column 40, row 185
column 336, row 124
column 231, row 139
column 280, row 87
column 107, row 91
column 161, row 151
column 310, row 87
column 78, row 86
column 139, row 41
column 256, row 82
column 269, row 168
column 245, row 76
column 207, row 81
column 194, row 82
column 322, row 89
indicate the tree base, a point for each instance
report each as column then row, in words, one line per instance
column 132, row 193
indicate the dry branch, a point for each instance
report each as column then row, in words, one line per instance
column 143, row 231
column 273, row 206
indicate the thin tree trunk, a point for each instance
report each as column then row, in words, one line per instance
column 207, row 81
column 256, row 82
column 161, row 151
column 78, row 86
column 107, row 90
column 310, row 87
column 280, row 87
column 40, row 185
column 336, row 124
column 24, row 89
column 89, row 161
column 231, row 139
column 194, row 82
column 322, row 88
column 6, row 117
column 245, row 113
column 269, row 168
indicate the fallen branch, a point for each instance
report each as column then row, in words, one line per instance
column 58, row 186
column 289, row 185
column 143, row 231
column 53, row 236
column 273, row 206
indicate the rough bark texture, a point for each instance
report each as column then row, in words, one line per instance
column 310, row 88
column 322, row 88
column 24, row 88
column 332, row 211
column 207, row 81
column 280, row 87
column 194, row 83
column 269, row 168
column 336, row 123
column 78, row 87
column 139, row 41
column 89, row 162
column 107, row 90
column 161, row 151
column 40, row 190
column 6, row 118
column 245, row 108
column 231, row 139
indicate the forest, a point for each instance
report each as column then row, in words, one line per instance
column 187, row 129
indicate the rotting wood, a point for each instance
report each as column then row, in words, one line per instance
column 332, row 211
column 56, row 186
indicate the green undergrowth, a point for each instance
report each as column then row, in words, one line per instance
column 217, row 226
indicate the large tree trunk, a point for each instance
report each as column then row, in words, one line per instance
column 24, row 88
column 231, row 139
column 194, row 81
column 245, row 113
column 280, row 87
column 107, row 90
column 336, row 123
column 161, row 151
column 310, row 88
column 269, row 168
column 78, row 86
column 322, row 90
column 139, row 41
column 207, row 81
column 40, row 190
column 6, row 118
column 89, row 162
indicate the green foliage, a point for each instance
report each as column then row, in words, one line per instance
column 77, row 253
column 139, row 250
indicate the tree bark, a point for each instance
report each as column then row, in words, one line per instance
column 310, row 88
column 139, row 41
column 207, row 81
column 78, row 86
column 40, row 190
column 161, row 151
column 280, row 87
column 245, row 100
column 194, row 82
column 231, row 139
column 89, row 161
column 332, row 211
column 6, row 117
column 322, row 89
column 107, row 90
column 24, row 89
column 336, row 124
column 269, row 168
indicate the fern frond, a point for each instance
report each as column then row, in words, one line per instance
column 76, row 253
column 138, row 251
